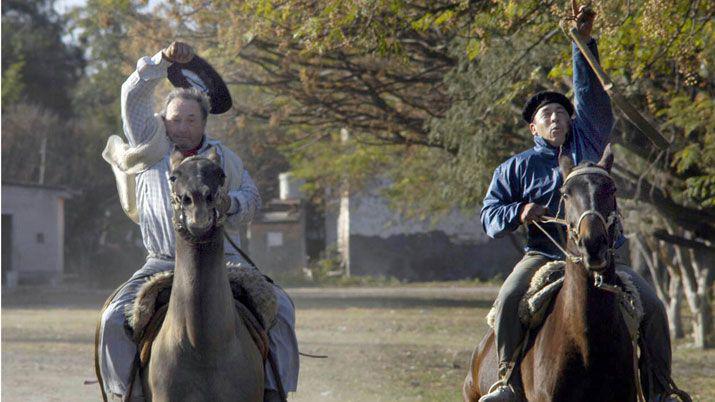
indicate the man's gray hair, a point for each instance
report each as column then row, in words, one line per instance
column 189, row 94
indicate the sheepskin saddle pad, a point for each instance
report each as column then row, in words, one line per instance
column 250, row 289
column 545, row 285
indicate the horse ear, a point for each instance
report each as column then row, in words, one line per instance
column 175, row 159
column 213, row 156
column 566, row 165
column 606, row 161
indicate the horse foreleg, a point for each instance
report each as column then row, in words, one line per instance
column 483, row 370
column 470, row 390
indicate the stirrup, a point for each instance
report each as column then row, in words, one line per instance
column 502, row 391
column 499, row 383
column 677, row 393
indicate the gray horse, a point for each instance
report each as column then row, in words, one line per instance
column 204, row 350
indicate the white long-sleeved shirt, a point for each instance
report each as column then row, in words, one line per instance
column 152, row 185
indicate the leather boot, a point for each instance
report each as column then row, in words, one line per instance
column 502, row 390
column 270, row 395
column 665, row 398
column 503, row 393
column 120, row 398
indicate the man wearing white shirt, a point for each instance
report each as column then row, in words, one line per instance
column 183, row 120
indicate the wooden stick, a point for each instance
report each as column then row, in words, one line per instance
column 643, row 125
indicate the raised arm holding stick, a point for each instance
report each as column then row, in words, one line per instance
column 526, row 187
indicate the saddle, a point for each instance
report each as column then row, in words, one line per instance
column 546, row 283
column 254, row 299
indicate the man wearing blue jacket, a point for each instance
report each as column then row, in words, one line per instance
column 526, row 187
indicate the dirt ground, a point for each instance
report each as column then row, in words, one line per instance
column 384, row 344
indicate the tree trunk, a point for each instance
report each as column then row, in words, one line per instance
column 662, row 279
column 675, row 318
column 702, row 326
column 695, row 283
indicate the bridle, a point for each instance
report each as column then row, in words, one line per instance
column 612, row 221
column 614, row 217
column 179, row 218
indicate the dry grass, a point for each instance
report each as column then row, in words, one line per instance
column 383, row 344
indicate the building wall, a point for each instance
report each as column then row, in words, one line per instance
column 381, row 242
column 37, row 250
column 288, row 257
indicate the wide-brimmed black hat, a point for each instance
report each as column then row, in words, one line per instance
column 544, row 98
column 199, row 74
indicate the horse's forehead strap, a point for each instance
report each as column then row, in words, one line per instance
column 191, row 158
column 587, row 170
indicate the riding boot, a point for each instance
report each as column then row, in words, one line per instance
column 120, row 398
column 503, row 390
column 665, row 398
column 270, row 395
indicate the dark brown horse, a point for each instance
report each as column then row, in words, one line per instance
column 583, row 351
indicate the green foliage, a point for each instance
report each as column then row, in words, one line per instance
column 37, row 66
column 431, row 91
column 49, row 97
column 695, row 116
column 13, row 86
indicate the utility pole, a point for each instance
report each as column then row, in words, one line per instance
column 343, row 239
column 43, row 158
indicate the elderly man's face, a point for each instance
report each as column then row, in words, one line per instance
column 551, row 122
column 184, row 123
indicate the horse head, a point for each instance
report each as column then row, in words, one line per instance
column 195, row 185
column 588, row 194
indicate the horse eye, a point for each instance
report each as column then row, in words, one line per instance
column 172, row 179
column 209, row 198
column 186, row 200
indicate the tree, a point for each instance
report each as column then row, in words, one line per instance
column 430, row 93
column 37, row 66
column 55, row 122
column 35, row 99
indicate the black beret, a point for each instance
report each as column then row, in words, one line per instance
column 544, row 98
column 199, row 74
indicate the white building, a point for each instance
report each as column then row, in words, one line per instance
column 33, row 229
column 372, row 239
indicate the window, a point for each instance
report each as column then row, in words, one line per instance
column 274, row 239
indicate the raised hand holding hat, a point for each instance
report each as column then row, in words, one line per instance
column 178, row 52
column 189, row 70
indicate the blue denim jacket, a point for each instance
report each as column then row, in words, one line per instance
column 534, row 175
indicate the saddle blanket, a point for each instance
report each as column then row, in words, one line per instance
column 248, row 286
column 545, row 285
